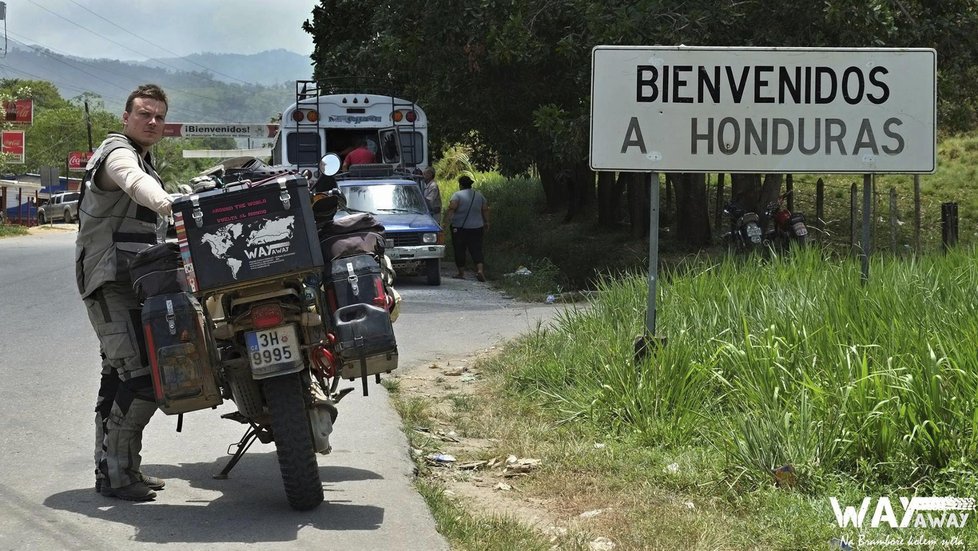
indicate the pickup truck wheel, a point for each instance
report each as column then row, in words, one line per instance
column 68, row 219
column 433, row 271
column 40, row 218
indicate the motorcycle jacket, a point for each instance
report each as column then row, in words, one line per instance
column 112, row 226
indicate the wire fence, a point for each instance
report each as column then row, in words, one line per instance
column 903, row 221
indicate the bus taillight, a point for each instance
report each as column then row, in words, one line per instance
column 297, row 116
column 397, row 116
column 411, row 116
column 312, row 116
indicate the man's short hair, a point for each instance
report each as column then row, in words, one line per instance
column 151, row 91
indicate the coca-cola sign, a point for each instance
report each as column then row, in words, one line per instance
column 77, row 160
column 13, row 145
column 19, row 111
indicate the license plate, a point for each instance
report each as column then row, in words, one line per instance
column 800, row 229
column 272, row 346
column 754, row 233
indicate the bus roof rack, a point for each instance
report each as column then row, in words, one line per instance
column 371, row 170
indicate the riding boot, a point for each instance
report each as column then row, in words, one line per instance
column 106, row 396
column 124, row 439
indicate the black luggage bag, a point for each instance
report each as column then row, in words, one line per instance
column 158, row 270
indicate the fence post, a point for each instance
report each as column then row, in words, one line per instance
column 718, row 215
column 820, row 205
column 874, row 213
column 853, row 215
column 916, row 214
column 949, row 225
column 789, row 186
column 866, row 248
column 893, row 221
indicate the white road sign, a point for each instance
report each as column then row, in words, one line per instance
column 808, row 110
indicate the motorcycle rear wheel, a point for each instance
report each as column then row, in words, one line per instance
column 293, row 441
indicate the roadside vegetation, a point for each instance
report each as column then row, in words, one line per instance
column 784, row 382
column 12, row 230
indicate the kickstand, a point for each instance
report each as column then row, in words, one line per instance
column 246, row 441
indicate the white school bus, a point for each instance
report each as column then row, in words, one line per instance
column 395, row 129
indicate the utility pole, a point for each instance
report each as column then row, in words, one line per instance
column 88, row 124
column 3, row 17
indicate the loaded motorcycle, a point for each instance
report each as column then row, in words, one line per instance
column 786, row 227
column 268, row 299
column 745, row 232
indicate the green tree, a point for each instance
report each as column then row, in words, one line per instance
column 511, row 79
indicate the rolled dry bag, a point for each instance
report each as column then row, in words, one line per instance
column 158, row 270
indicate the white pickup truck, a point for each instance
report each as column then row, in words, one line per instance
column 62, row 206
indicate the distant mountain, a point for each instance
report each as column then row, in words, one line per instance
column 268, row 67
column 201, row 87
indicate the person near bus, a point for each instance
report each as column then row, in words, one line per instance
column 361, row 154
column 468, row 214
column 123, row 209
column 432, row 195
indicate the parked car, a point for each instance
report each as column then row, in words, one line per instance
column 415, row 241
column 61, row 206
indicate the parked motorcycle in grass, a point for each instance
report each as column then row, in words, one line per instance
column 786, row 227
column 283, row 302
column 745, row 232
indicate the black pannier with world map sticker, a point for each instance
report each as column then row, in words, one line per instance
column 245, row 232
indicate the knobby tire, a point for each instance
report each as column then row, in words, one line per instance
column 293, row 441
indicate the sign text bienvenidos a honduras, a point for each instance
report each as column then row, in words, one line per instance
column 679, row 109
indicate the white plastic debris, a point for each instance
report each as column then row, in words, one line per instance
column 440, row 459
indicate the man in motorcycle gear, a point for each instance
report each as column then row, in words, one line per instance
column 122, row 210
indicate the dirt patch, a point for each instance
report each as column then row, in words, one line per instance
column 44, row 228
column 473, row 470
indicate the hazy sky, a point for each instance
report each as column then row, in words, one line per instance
column 143, row 29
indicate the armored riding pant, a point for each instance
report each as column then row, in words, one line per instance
column 125, row 401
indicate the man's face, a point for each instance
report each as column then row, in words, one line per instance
column 144, row 125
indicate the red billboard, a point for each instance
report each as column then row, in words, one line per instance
column 219, row 130
column 13, row 145
column 19, row 111
column 77, row 160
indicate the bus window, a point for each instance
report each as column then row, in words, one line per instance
column 412, row 148
column 303, row 148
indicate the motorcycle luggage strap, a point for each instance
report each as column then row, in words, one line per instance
column 353, row 279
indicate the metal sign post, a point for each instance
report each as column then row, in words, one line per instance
column 649, row 342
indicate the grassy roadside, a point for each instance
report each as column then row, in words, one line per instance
column 12, row 230
column 760, row 409
column 785, row 383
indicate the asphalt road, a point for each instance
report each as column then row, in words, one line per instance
column 48, row 379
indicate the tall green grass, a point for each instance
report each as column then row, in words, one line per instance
column 784, row 361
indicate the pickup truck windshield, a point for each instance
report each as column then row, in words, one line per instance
column 390, row 198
